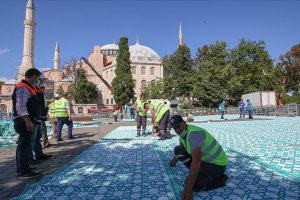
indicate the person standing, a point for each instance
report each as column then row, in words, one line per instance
column 25, row 113
column 128, row 110
column 51, row 114
column 63, row 116
column 132, row 111
column 41, row 95
column 242, row 108
column 250, row 109
column 201, row 153
column 160, row 118
column 141, row 118
column 222, row 109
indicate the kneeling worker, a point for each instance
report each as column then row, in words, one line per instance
column 200, row 152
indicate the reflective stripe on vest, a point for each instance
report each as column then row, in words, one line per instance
column 60, row 108
column 211, row 151
column 32, row 90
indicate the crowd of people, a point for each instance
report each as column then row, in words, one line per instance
column 30, row 113
column 242, row 108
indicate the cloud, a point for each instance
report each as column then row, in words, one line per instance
column 4, row 51
column 3, row 79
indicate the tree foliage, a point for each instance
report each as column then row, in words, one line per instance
column 178, row 68
column 83, row 91
column 155, row 89
column 123, row 82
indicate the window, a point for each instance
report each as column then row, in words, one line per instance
column 133, row 70
column 80, row 110
column 143, row 70
column 111, row 73
column 106, row 74
column 107, row 101
column 144, row 83
column 152, row 71
column 112, row 101
column 134, row 83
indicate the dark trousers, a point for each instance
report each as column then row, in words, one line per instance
column 141, row 121
column 60, row 123
column 23, row 145
column 250, row 114
column 35, row 142
column 242, row 113
column 209, row 173
column 163, row 124
column 222, row 114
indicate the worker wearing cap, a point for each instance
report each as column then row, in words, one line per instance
column 160, row 118
column 51, row 115
column 141, row 118
column 200, row 152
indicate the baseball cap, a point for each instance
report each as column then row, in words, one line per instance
column 175, row 120
column 56, row 95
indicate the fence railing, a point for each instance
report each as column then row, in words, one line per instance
column 284, row 110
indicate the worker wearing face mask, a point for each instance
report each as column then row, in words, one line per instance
column 200, row 152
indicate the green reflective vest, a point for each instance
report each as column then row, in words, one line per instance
column 159, row 109
column 211, row 150
column 140, row 105
column 60, row 108
column 52, row 109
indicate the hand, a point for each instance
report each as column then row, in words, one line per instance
column 173, row 162
column 29, row 126
column 187, row 194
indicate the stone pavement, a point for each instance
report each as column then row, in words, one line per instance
column 62, row 153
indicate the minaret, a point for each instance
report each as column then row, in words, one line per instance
column 56, row 57
column 180, row 36
column 28, row 50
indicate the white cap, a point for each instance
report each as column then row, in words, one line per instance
column 56, row 95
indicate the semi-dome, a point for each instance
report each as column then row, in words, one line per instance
column 140, row 53
column 110, row 49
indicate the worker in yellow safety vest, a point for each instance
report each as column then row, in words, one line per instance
column 160, row 118
column 63, row 116
column 141, row 117
column 201, row 153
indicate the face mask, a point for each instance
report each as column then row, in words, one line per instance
column 37, row 83
column 183, row 133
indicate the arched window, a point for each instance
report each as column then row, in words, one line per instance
column 134, row 83
column 144, row 83
column 152, row 72
column 133, row 70
column 143, row 70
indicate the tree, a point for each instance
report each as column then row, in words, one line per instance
column 287, row 72
column 252, row 69
column 60, row 90
column 83, row 91
column 211, row 73
column 123, row 82
column 179, row 68
column 154, row 89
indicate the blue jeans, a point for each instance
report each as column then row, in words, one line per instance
column 222, row 114
column 35, row 141
column 23, row 145
column 242, row 113
column 60, row 123
column 250, row 114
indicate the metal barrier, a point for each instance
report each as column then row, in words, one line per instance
column 284, row 110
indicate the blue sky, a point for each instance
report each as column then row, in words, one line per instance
column 78, row 25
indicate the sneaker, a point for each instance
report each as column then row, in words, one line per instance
column 71, row 137
column 158, row 137
column 153, row 137
column 58, row 140
column 28, row 174
column 43, row 157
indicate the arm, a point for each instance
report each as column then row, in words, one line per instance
column 193, row 174
column 22, row 96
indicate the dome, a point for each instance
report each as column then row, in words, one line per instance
column 140, row 53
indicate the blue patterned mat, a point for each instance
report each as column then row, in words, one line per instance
column 264, row 163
